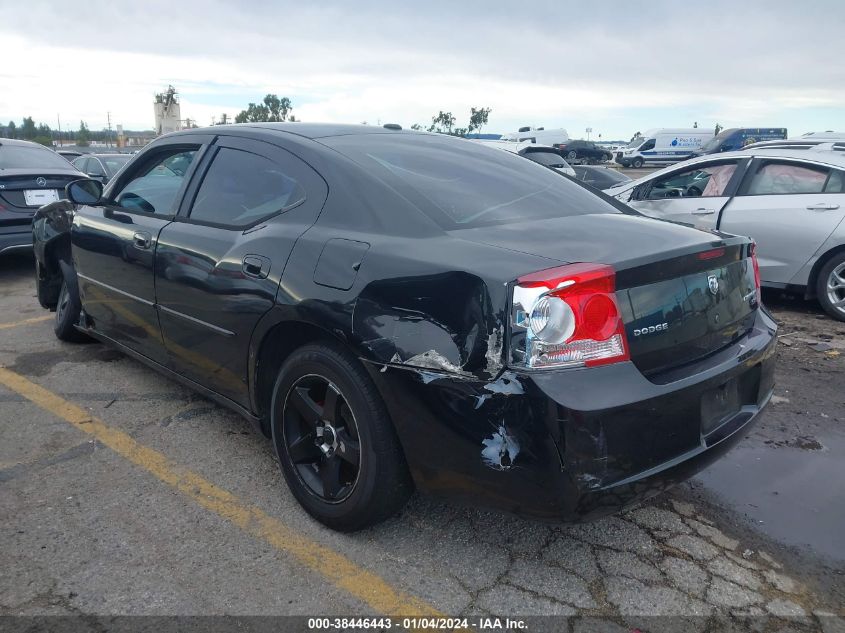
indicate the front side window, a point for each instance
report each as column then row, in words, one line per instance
column 708, row 181
column 784, row 178
column 154, row 185
column 241, row 188
column 649, row 144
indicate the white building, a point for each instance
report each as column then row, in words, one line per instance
column 167, row 113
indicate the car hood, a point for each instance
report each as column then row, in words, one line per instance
column 622, row 240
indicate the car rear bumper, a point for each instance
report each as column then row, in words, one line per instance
column 574, row 444
column 15, row 238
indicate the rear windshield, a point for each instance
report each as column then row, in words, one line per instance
column 114, row 163
column 549, row 159
column 25, row 157
column 461, row 184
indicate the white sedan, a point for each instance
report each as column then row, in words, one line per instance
column 790, row 201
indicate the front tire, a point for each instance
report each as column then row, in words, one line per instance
column 336, row 445
column 830, row 287
column 637, row 163
column 67, row 316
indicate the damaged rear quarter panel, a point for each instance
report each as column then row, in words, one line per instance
column 437, row 311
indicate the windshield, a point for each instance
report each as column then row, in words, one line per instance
column 26, row 157
column 636, row 142
column 549, row 159
column 461, row 184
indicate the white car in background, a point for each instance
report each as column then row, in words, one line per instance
column 790, row 201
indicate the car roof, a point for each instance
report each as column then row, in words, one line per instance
column 106, row 154
column 835, row 157
column 12, row 142
column 307, row 130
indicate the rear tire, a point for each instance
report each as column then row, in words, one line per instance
column 572, row 156
column 335, row 442
column 830, row 287
column 67, row 316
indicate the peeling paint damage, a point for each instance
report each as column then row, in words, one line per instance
column 500, row 450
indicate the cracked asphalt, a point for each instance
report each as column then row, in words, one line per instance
column 86, row 531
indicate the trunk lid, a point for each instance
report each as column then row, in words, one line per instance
column 684, row 293
column 14, row 183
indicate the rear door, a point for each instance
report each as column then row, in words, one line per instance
column 790, row 207
column 693, row 194
column 114, row 244
column 219, row 264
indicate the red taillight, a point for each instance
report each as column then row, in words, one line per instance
column 569, row 316
column 752, row 249
column 712, row 254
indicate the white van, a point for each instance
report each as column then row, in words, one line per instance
column 663, row 146
column 539, row 135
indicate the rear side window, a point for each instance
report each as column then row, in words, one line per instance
column 461, row 184
column 241, row 188
column 81, row 164
column 836, row 182
column 785, row 178
column 95, row 168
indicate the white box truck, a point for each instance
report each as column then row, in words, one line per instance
column 663, row 146
column 538, row 135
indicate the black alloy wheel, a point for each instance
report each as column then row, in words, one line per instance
column 335, row 441
column 68, row 308
column 321, row 438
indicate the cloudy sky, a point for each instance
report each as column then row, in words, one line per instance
column 617, row 66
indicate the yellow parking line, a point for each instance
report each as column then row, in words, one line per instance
column 9, row 326
column 334, row 567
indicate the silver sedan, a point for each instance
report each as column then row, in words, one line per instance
column 791, row 201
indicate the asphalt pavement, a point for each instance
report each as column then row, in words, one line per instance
column 122, row 493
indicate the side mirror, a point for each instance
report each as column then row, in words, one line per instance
column 85, row 191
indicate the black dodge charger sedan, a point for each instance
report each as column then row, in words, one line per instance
column 400, row 310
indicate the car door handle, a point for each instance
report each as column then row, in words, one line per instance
column 256, row 266
column 142, row 239
column 822, row 206
column 704, row 212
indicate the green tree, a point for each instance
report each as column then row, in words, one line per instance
column 443, row 123
column 28, row 129
column 83, row 137
column 416, row 126
column 44, row 135
column 718, row 129
column 478, row 118
column 271, row 109
column 12, row 130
